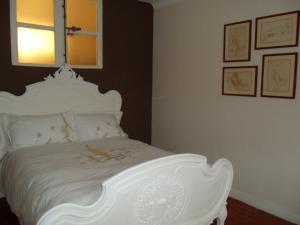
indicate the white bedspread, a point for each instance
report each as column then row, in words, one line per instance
column 36, row 179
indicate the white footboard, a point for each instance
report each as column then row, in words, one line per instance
column 177, row 190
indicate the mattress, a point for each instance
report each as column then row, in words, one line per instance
column 36, row 179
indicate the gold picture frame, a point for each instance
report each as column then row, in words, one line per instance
column 279, row 75
column 240, row 80
column 237, row 41
column 277, row 31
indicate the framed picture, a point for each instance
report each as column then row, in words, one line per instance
column 237, row 41
column 279, row 75
column 277, row 31
column 239, row 80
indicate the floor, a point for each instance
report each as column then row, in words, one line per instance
column 238, row 214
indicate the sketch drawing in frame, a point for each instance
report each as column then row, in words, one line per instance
column 279, row 75
column 240, row 80
column 237, row 41
column 277, row 31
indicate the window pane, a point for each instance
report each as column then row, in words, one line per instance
column 39, row 12
column 36, row 46
column 83, row 14
column 82, row 50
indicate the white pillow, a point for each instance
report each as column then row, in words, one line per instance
column 94, row 126
column 25, row 131
column 4, row 140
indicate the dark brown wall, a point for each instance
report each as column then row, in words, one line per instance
column 127, row 62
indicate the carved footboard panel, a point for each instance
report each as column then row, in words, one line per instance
column 175, row 190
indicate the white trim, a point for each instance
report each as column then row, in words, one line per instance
column 57, row 66
column 33, row 26
column 266, row 206
column 161, row 3
column 58, row 36
column 13, row 33
column 84, row 66
column 89, row 33
column 100, row 34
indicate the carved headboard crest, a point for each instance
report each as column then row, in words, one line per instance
column 63, row 73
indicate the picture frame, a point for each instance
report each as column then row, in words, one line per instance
column 237, row 41
column 277, row 31
column 279, row 75
column 240, row 80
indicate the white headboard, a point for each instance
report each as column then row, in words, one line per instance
column 63, row 91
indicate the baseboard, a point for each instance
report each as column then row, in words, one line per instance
column 266, row 206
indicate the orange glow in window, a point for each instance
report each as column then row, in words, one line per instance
column 36, row 46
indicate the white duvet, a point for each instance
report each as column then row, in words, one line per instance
column 37, row 179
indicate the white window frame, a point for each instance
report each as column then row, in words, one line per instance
column 59, row 30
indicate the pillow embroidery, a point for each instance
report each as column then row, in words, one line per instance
column 25, row 131
column 95, row 126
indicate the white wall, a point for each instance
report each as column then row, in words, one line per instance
column 261, row 136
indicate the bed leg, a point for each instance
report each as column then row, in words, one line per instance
column 222, row 217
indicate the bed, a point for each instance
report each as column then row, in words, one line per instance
column 110, row 180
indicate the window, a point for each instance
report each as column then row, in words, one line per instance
column 54, row 32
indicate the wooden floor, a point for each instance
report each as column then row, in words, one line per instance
column 238, row 214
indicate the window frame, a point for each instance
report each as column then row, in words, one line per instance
column 59, row 36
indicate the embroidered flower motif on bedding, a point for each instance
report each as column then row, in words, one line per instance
column 107, row 129
column 49, row 141
column 26, row 131
column 98, row 155
column 64, row 132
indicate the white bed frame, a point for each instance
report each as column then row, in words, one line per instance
column 179, row 189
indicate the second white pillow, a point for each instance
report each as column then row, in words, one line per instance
column 94, row 126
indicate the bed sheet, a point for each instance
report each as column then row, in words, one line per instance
column 37, row 179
